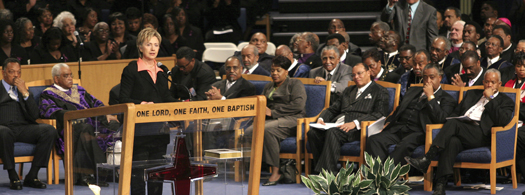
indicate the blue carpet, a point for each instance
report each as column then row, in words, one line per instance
column 221, row 186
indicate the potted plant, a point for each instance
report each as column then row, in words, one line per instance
column 372, row 178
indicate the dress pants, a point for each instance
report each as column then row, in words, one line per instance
column 520, row 150
column 325, row 146
column 454, row 137
column 42, row 135
column 406, row 141
column 87, row 152
column 273, row 135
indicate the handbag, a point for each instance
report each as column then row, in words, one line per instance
column 288, row 170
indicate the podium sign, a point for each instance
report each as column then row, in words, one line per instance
column 132, row 114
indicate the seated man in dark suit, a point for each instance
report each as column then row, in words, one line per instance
column 485, row 109
column 332, row 70
column 494, row 47
column 508, row 48
column 296, row 69
column 406, row 127
column 377, row 31
column 364, row 101
column 406, row 63
column 191, row 77
column 234, row 86
column 259, row 40
column 18, row 114
column 440, row 50
column 306, row 45
column 457, row 68
column 89, row 148
column 347, row 57
column 335, row 26
column 421, row 59
column 473, row 71
column 390, row 55
column 372, row 59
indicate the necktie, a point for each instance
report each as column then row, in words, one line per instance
column 12, row 93
column 409, row 22
column 471, row 82
column 246, row 71
column 340, row 120
column 489, row 63
column 358, row 94
column 329, row 77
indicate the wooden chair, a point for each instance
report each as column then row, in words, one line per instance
column 36, row 88
column 354, row 151
column 500, row 153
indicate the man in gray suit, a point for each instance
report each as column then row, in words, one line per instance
column 332, row 70
column 364, row 101
column 234, row 86
column 414, row 20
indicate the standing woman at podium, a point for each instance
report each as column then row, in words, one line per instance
column 143, row 82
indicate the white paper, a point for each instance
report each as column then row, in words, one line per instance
column 481, row 186
column 326, row 126
column 376, row 127
column 220, row 32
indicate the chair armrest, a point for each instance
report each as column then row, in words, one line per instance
column 432, row 129
column 503, row 141
column 52, row 122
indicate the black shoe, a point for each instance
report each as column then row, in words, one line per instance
column 272, row 183
column 420, row 163
column 34, row 183
column 439, row 189
column 15, row 185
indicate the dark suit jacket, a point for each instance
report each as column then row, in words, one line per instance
column 434, row 111
column 423, row 27
column 339, row 79
column 500, row 64
column 389, row 76
column 313, row 61
column 449, row 61
column 241, row 88
column 507, row 74
column 300, row 70
column 390, row 63
column 509, row 54
column 498, row 112
column 451, row 70
column 91, row 52
column 465, row 79
column 28, row 107
column 261, row 71
column 288, row 102
column 136, row 87
column 200, row 78
column 352, row 59
column 372, row 104
column 265, row 60
column 352, row 48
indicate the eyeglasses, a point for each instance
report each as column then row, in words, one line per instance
column 184, row 67
column 102, row 31
column 488, row 44
column 358, row 74
column 67, row 75
column 234, row 68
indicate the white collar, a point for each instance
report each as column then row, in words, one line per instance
column 343, row 57
column 457, row 45
column 380, row 73
column 333, row 71
column 392, row 53
column 293, row 64
column 443, row 60
column 493, row 60
column 507, row 48
column 60, row 88
column 253, row 68
column 477, row 77
column 363, row 88
column 230, row 83
column 460, row 69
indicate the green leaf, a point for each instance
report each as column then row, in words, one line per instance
column 382, row 191
column 365, row 184
column 369, row 160
column 333, row 188
column 395, row 172
column 364, row 171
column 386, row 181
column 387, row 165
column 309, row 184
column 400, row 189
column 318, row 182
column 375, row 169
column 404, row 170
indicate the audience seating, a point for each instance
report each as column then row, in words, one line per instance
column 354, row 151
column 227, row 45
column 217, row 55
column 500, row 153
column 36, row 88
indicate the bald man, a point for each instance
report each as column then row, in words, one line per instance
column 306, row 45
column 258, row 40
column 296, row 69
column 336, row 25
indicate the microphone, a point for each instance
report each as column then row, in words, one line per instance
column 164, row 68
column 78, row 37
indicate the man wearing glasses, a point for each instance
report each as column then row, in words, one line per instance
column 493, row 48
column 406, row 53
column 234, row 86
column 62, row 97
column 191, row 77
column 439, row 51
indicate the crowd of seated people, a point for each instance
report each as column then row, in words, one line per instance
column 413, row 43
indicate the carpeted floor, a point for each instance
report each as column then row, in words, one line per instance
column 222, row 186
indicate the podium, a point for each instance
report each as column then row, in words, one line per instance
column 207, row 143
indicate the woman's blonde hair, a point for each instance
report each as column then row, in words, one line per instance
column 145, row 35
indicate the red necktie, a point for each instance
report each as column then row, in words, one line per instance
column 409, row 23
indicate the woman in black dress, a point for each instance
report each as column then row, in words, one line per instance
column 53, row 49
column 9, row 49
column 172, row 33
column 192, row 34
column 66, row 22
column 101, row 48
column 45, row 21
column 117, row 26
column 25, row 35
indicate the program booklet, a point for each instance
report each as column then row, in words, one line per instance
column 223, row 153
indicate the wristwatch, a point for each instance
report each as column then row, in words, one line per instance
column 26, row 95
column 431, row 97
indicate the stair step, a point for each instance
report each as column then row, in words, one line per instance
column 319, row 21
column 329, row 6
